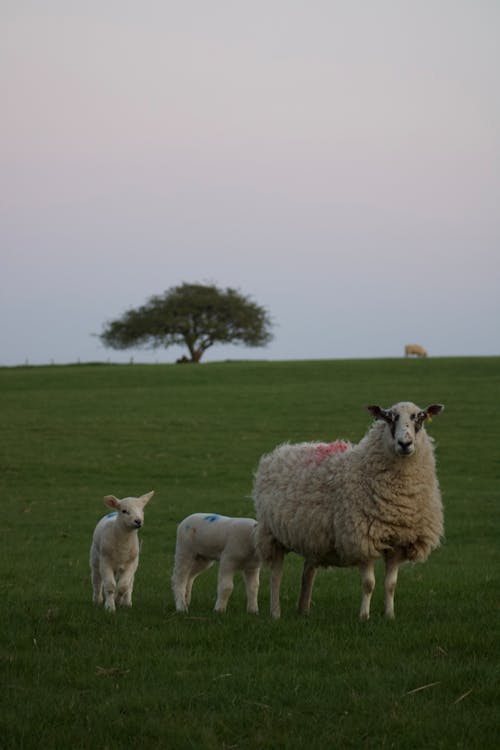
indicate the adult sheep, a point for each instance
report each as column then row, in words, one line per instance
column 377, row 499
column 415, row 350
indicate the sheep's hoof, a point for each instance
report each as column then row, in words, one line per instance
column 364, row 616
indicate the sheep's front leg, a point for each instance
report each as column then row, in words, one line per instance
column 126, row 586
column 276, row 576
column 392, row 562
column 109, row 585
column 251, row 576
column 308, row 575
column 224, row 584
column 368, row 584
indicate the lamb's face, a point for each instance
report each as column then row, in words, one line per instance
column 131, row 512
column 130, row 509
column 404, row 424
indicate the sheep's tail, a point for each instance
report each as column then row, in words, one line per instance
column 266, row 544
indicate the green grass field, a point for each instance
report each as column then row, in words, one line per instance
column 73, row 676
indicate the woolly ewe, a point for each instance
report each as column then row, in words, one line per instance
column 114, row 553
column 415, row 350
column 377, row 499
column 203, row 538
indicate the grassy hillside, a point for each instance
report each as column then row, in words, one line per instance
column 74, row 676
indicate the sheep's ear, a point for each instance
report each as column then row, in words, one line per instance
column 146, row 498
column 111, row 501
column 433, row 410
column 378, row 413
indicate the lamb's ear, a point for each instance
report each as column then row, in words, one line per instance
column 378, row 413
column 146, row 498
column 433, row 410
column 111, row 501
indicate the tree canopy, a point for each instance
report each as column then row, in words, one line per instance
column 194, row 315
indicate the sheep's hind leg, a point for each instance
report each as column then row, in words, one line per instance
column 225, row 584
column 392, row 562
column 180, row 577
column 251, row 576
column 199, row 565
column 308, row 575
column 96, row 585
column 276, row 576
column 368, row 584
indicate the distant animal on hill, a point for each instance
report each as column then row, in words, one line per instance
column 114, row 553
column 203, row 538
column 377, row 499
column 415, row 350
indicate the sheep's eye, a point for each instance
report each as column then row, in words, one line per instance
column 413, row 417
column 125, row 511
column 395, row 417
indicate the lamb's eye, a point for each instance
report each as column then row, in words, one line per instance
column 125, row 511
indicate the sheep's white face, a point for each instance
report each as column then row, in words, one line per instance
column 405, row 421
column 130, row 510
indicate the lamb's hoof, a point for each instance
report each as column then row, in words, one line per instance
column 364, row 616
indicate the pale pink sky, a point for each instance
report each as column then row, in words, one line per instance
column 337, row 161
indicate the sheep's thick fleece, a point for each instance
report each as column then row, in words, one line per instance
column 351, row 506
column 345, row 508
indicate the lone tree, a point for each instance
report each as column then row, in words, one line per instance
column 194, row 315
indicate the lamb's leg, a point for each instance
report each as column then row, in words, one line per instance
column 368, row 584
column 276, row 576
column 180, row 579
column 125, row 586
column 109, row 585
column 392, row 562
column 308, row 575
column 96, row 584
column 198, row 566
column 224, row 584
column 186, row 569
column 251, row 576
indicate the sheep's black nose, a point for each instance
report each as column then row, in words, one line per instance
column 138, row 523
column 405, row 445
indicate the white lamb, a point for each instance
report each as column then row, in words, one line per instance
column 377, row 499
column 203, row 538
column 114, row 553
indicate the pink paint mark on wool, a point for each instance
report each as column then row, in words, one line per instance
column 323, row 450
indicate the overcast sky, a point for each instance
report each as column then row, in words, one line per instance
column 336, row 160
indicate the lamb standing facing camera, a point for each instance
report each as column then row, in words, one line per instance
column 114, row 553
column 203, row 538
column 377, row 499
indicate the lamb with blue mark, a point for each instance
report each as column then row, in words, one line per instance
column 114, row 553
column 203, row 538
